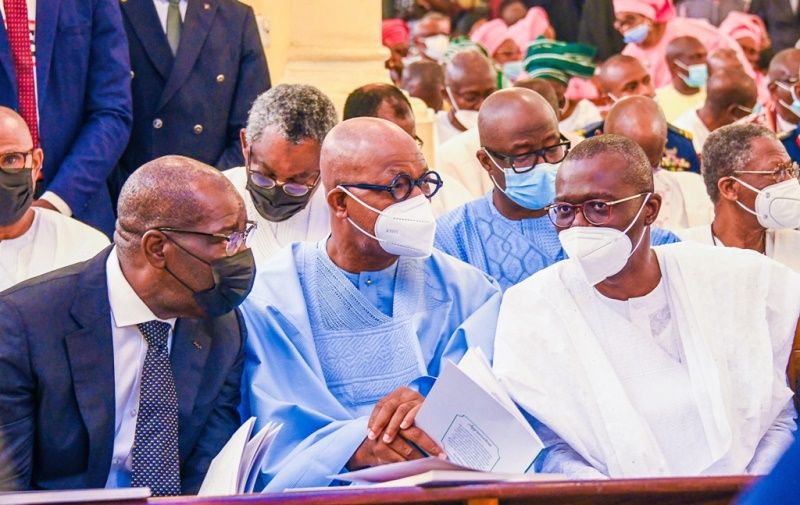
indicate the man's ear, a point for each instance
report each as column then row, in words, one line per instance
column 245, row 151
column 727, row 189
column 37, row 160
column 484, row 160
column 153, row 242
column 652, row 208
column 337, row 201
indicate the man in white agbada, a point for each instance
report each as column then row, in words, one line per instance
column 33, row 240
column 388, row 102
column 469, row 78
column 753, row 184
column 346, row 333
column 640, row 361
column 280, row 183
column 684, row 201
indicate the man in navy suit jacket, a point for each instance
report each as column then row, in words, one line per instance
column 84, row 102
column 193, row 103
column 71, row 353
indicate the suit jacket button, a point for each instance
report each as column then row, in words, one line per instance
column 132, row 74
column 220, row 77
column 157, row 123
column 198, row 129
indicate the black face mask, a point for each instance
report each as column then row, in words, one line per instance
column 274, row 204
column 233, row 280
column 16, row 195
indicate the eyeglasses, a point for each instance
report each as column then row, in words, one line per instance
column 14, row 162
column 522, row 163
column 596, row 212
column 787, row 84
column 419, row 141
column 266, row 182
column 235, row 239
column 403, row 185
column 746, row 110
column 782, row 171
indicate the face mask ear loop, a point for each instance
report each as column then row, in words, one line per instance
column 751, row 188
column 641, row 237
column 362, row 230
column 456, row 108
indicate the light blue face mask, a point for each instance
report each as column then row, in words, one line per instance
column 534, row 189
column 513, row 69
column 698, row 74
column 637, row 34
column 794, row 108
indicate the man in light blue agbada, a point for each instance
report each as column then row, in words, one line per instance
column 345, row 335
column 507, row 234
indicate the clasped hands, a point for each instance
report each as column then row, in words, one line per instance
column 391, row 434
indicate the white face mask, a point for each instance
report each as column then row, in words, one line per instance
column 467, row 118
column 777, row 206
column 436, row 46
column 404, row 228
column 599, row 252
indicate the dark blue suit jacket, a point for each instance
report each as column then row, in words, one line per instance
column 789, row 141
column 83, row 81
column 57, row 409
column 194, row 103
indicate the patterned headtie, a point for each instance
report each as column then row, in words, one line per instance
column 174, row 25
column 156, row 461
column 19, row 38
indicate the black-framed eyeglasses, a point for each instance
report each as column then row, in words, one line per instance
column 403, row 185
column 289, row 187
column 596, row 212
column 235, row 239
column 782, row 171
column 419, row 141
column 525, row 162
column 14, row 162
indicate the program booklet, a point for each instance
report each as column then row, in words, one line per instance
column 236, row 467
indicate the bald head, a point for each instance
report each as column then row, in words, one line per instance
column 511, row 112
column 681, row 48
column 172, row 191
column 12, row 123
column 360, row 149
column 640, row 119
column 623, row 75
column 730, row 87
column 785, row 65
column 468, row 64
column 542, row 87
column 424, row 79
column 724, row 58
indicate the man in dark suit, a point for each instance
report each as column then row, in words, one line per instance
column 782, row 18
column 79, row 103
column 125, row 370
column 192, row 100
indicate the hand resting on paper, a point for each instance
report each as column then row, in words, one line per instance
column 391, row 434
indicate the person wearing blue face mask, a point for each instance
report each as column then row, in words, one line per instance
column 507, row 233
column 686, row 58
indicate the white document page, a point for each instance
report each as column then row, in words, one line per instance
column 254, row 454
column 222, row 478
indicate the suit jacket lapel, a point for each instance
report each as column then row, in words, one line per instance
column 90, row 352
column 6, row 60
column 46, row 26
column 142, row 15
column 199, row 16
column 190, row 347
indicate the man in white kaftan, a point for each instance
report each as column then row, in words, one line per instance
column 753, row 184
column 33, row 240
column 359, row 324
column 643, row 362
column 281, row 184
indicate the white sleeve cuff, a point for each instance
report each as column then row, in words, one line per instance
column 57, row 202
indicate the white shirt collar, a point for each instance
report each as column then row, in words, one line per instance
column 127, row 309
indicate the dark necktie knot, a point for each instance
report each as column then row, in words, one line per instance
column 155, row 333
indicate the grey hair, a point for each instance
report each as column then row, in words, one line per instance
column 727, row 150
column 637, row 172
column 300, row 111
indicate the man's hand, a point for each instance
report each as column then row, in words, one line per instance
column 391, row 436
column 44, row 204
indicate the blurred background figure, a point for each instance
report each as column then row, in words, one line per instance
column 394, row 35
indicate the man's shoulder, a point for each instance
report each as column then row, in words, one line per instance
column 76, row 230
column 455, row 273
column 592, row 129
column 678, row 132
column 234, row 6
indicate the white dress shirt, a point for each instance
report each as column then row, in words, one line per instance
column 130, row 348
column 162, row 7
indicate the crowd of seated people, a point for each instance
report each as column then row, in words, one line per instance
column 612, row 215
